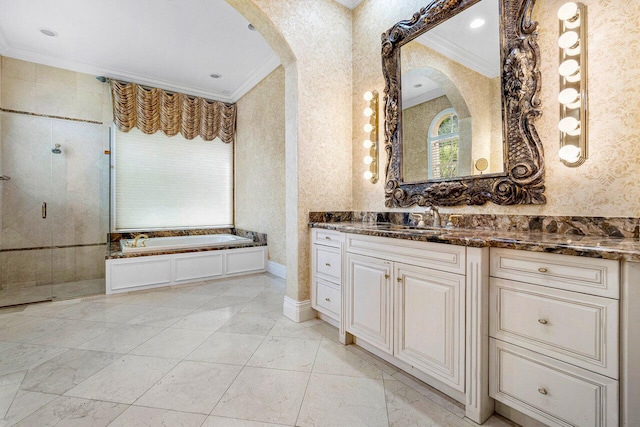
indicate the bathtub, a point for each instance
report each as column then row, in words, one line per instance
column 161, row 244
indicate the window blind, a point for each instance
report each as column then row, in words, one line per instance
column 171, row 182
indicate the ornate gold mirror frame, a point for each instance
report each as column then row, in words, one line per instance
column 523, row 179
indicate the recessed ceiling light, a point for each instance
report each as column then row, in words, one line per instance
column 476, row 23
column 48, row 32
column 251, row 27
column 417, row 85
column 216, row 76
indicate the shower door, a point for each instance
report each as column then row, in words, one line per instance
column 25, row 190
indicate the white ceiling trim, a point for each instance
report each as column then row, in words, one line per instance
column 255, row 77
column 258, row 75
column 351, row 4
column 461, row 55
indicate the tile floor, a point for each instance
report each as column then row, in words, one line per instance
column 216, row 353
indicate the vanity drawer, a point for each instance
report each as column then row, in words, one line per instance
column 438, row 256
column 570, row 326
column 326, row 237
column 556, row 393
column 327, row 298
column 588, row 275
column 328, row 263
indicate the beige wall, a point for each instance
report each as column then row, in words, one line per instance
column 313, row 40
column 606, row 185
column 260, row 163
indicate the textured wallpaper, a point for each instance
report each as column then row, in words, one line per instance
column 607, row 184
column 260, row 163
column 313, row 40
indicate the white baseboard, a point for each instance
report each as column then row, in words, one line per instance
column 277, row 269
column 298, row 311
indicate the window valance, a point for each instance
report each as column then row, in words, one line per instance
column 153, row 109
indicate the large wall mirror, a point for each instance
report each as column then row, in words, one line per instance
column 462, row 83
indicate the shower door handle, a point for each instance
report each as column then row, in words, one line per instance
column 44, row 210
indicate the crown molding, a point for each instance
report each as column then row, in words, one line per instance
column 351, row 4
column 255, row 77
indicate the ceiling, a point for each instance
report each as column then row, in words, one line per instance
column 171, row 44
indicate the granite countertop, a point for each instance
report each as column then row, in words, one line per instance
column 589, row 246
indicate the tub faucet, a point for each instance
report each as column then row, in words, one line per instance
column 436, row 215
column 139, row 236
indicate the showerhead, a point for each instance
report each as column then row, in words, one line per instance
column 56, row 149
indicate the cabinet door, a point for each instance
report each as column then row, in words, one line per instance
column 369, row 310
column 429, row 321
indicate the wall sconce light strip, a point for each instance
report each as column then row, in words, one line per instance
column 371, row 158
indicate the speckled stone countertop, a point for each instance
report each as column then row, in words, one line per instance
column 594, row 246
column 114, row 250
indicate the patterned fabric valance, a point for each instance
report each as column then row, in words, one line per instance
column 153, row 109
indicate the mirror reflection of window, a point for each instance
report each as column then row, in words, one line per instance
column 443, row 145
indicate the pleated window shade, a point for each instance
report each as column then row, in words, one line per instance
column 171, row 182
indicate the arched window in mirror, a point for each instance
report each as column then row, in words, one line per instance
column 443, row 145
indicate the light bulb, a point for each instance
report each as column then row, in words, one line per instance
column 568, row 11
column 367, row 143
column 476, row 23
column 368, row 160
column 569, row 97
column 368, row 96
column 568, row 40
column 570, row 70
column 368, row 127
column 368, row 112
column 368, row 175
column 569, row 153
column 569, row 125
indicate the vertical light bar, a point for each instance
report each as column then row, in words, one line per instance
column 371, row 159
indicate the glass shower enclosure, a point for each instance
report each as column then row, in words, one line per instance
column 53, row 208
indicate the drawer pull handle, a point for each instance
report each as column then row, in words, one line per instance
column 327, row 299
column 543, row 321
column 542, row 270
column 386, row 276
column 542, row 391
column 327, row 237
column 327, row 264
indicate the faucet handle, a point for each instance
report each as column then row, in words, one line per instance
column 420, row 216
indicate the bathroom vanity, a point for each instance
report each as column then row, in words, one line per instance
column 532, row 325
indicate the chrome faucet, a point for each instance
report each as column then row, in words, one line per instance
column 433, row 210
column 139, row 236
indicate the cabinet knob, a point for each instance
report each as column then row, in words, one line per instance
column 399, row 279
column 327, row 299
column 327, row 264
column 542, row 390
column 542, row 270
column 386, row 276
column 327, row 237
column 543, row 321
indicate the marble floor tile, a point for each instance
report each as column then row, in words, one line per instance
column 67, row 370
column 152, row 417
column 24, row 404
column 9, row 386
column 82, row 310
column 160, row 316
column 125, row 380
column 6, row 345
column 119, row 313
column 383, row 365
column 212, row 289
column 407, row 407
column 152, row 298
column 333, row 400
column 236, row 303
column 172, row 343
column 280, row 330
column 72, row 412
column 183, row 300
column 214, row 421
column 430, row 393
column 266, row 304
column 335, row 359
column 191, row 387
column 26, row 356
column 32, row 329
column 245, row 290
column 122, row 338
column 205, row 320
column 294, row 354
column 235, row 349
column 72, row 335
column 267, row 395
column 248, row 323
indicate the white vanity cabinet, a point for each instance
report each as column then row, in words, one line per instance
column 326, row 273
column 554, row 337
column 407, row 299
